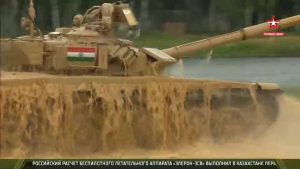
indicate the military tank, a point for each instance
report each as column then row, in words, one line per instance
column 101, row 87
column 91, row 45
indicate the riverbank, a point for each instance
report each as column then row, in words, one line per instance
column 288, row 46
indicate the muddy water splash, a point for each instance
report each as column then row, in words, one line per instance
column 284, row 134
column 52, row 119
column 281, row 140
column 109, row 118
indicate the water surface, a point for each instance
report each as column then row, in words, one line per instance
column 283, row 71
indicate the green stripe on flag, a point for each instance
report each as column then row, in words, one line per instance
column 81, row 59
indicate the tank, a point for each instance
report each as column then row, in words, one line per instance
column 84, row 79
column 90, row 45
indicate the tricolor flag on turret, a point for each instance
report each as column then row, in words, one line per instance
column 81, row 54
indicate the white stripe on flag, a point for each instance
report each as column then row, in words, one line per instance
column 78, row 54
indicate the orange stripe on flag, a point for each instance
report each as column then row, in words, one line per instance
column 78, row 49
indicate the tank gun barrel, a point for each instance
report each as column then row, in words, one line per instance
column 240, row 35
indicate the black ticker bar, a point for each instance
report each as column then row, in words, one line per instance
column 150, row 164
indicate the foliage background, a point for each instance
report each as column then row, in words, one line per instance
column 199, row 16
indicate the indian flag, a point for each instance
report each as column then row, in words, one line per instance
column 81, row 54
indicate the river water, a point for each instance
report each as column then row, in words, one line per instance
column 284, row 71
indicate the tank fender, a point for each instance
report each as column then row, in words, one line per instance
column 269, row 87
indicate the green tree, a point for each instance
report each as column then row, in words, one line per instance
column 55, row 14
column 212, row 15
column 249, row 10
column 9, row 18
column 144, row 13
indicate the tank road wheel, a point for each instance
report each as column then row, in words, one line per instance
column 228, row 124
column 233, row 114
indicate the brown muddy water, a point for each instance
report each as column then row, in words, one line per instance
column 151, row 120
column 281, row 140
column 40, row 120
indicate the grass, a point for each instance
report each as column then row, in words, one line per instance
column 162, row 40
column 288, row 46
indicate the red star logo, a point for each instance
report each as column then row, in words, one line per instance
column 274, row 24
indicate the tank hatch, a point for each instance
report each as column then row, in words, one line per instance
column 83, row 32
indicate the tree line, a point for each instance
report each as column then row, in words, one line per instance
column 198, row 16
